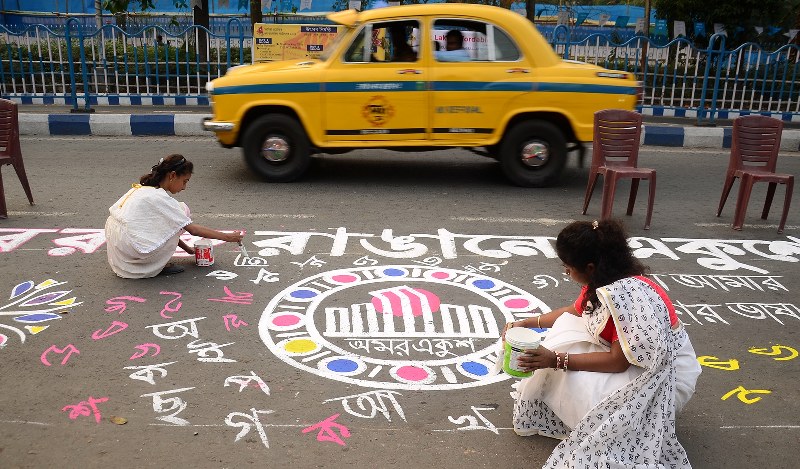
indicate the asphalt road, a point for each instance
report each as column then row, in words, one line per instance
column 277, row 361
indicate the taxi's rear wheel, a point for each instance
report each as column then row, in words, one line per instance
column 533, row 154
column 276, row 147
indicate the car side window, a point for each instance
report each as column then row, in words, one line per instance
column 390, row 41
column 504, row 47
column 457, row 40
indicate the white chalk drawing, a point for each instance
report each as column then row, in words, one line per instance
column 371, row 403
column 544, row 281
column 703, row 313
column 33, row 307
column 265, row 275
column 485, row 267
column 222, row 275
column 209, row 352
column 86, row 241
column 713, row 254
column 388, row 327
column 313, row 262
column 431, row 261
column 146, row 373
column 249, row 261
column 171, row 406
column 473, row 420
column 722, row 282
column 365, row 260
column 177, row 329
column 250, row 420
column 245, row 380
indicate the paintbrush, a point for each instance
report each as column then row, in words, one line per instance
column 244, row 251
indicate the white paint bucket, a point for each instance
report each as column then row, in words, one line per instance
column 204, row 253
column 518, row 339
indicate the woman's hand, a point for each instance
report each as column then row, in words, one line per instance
column 235, row 237
column 186, row 247
column 537, row 358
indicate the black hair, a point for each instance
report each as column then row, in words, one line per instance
column 602, row 243
column 174, row 162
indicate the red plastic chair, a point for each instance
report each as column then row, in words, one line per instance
column 615, row 154
column 10, row 151
column 754, row 155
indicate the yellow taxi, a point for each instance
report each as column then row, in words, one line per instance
column 419, row 77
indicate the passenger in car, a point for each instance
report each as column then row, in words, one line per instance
column 401, row 51
column 454, row 48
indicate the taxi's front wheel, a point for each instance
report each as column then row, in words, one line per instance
column 533, row 154
column 276, row 147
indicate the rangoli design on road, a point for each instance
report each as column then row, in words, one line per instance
column 395, row 327
column 30, row 307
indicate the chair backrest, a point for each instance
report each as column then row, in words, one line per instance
column 756, row 141
column 9, row 130
column 617, row 135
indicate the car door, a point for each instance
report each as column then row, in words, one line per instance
column 376, row 90
column 470, row 91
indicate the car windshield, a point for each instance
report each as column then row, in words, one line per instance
column 326, row 54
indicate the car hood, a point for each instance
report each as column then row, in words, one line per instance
column 280, row 65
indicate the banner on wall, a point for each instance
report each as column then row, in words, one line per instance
column 661, row 28
column 354, row 4
column 719, row 28
column 679, row 29
column 699, row 29
column 622, row 21
column 305, row 5
column 291, row 41
column 639, row 25
column 604, row 19
column 581, row 18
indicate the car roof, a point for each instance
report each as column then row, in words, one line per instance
column 352, row 17
column 507, row 19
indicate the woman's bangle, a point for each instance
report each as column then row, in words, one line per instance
column 566, row 361
column 539, row 321
column 558, row 361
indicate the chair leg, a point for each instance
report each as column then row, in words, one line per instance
column 726, row 190
column 786, row 202
column 745, row 188
column 768, row 201
column 651, row 198
column 609, row 189
column 23, row 178
column 632, row 198
column 589, row 191
column 3, row 212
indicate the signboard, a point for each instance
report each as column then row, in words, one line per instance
column 291, row 41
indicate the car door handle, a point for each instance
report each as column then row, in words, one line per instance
column 411, row 71
column 518, row 70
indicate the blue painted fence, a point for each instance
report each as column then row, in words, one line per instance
column 156, row 64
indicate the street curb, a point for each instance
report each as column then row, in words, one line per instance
column 191, row 125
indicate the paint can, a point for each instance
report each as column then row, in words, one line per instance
column 518, row 339
column 204, row 253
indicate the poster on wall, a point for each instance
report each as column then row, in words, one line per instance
column 291, row 41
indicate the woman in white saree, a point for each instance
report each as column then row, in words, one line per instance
column 144, row 226
column 614, row 368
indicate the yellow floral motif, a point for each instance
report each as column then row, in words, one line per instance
column 742, row 394
column 776, row 350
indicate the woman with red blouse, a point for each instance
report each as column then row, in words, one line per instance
column 614, row 368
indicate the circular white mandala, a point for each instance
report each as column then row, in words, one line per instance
column 395, row 327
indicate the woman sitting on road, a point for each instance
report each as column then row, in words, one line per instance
column 615, row 367
column 146, row 223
